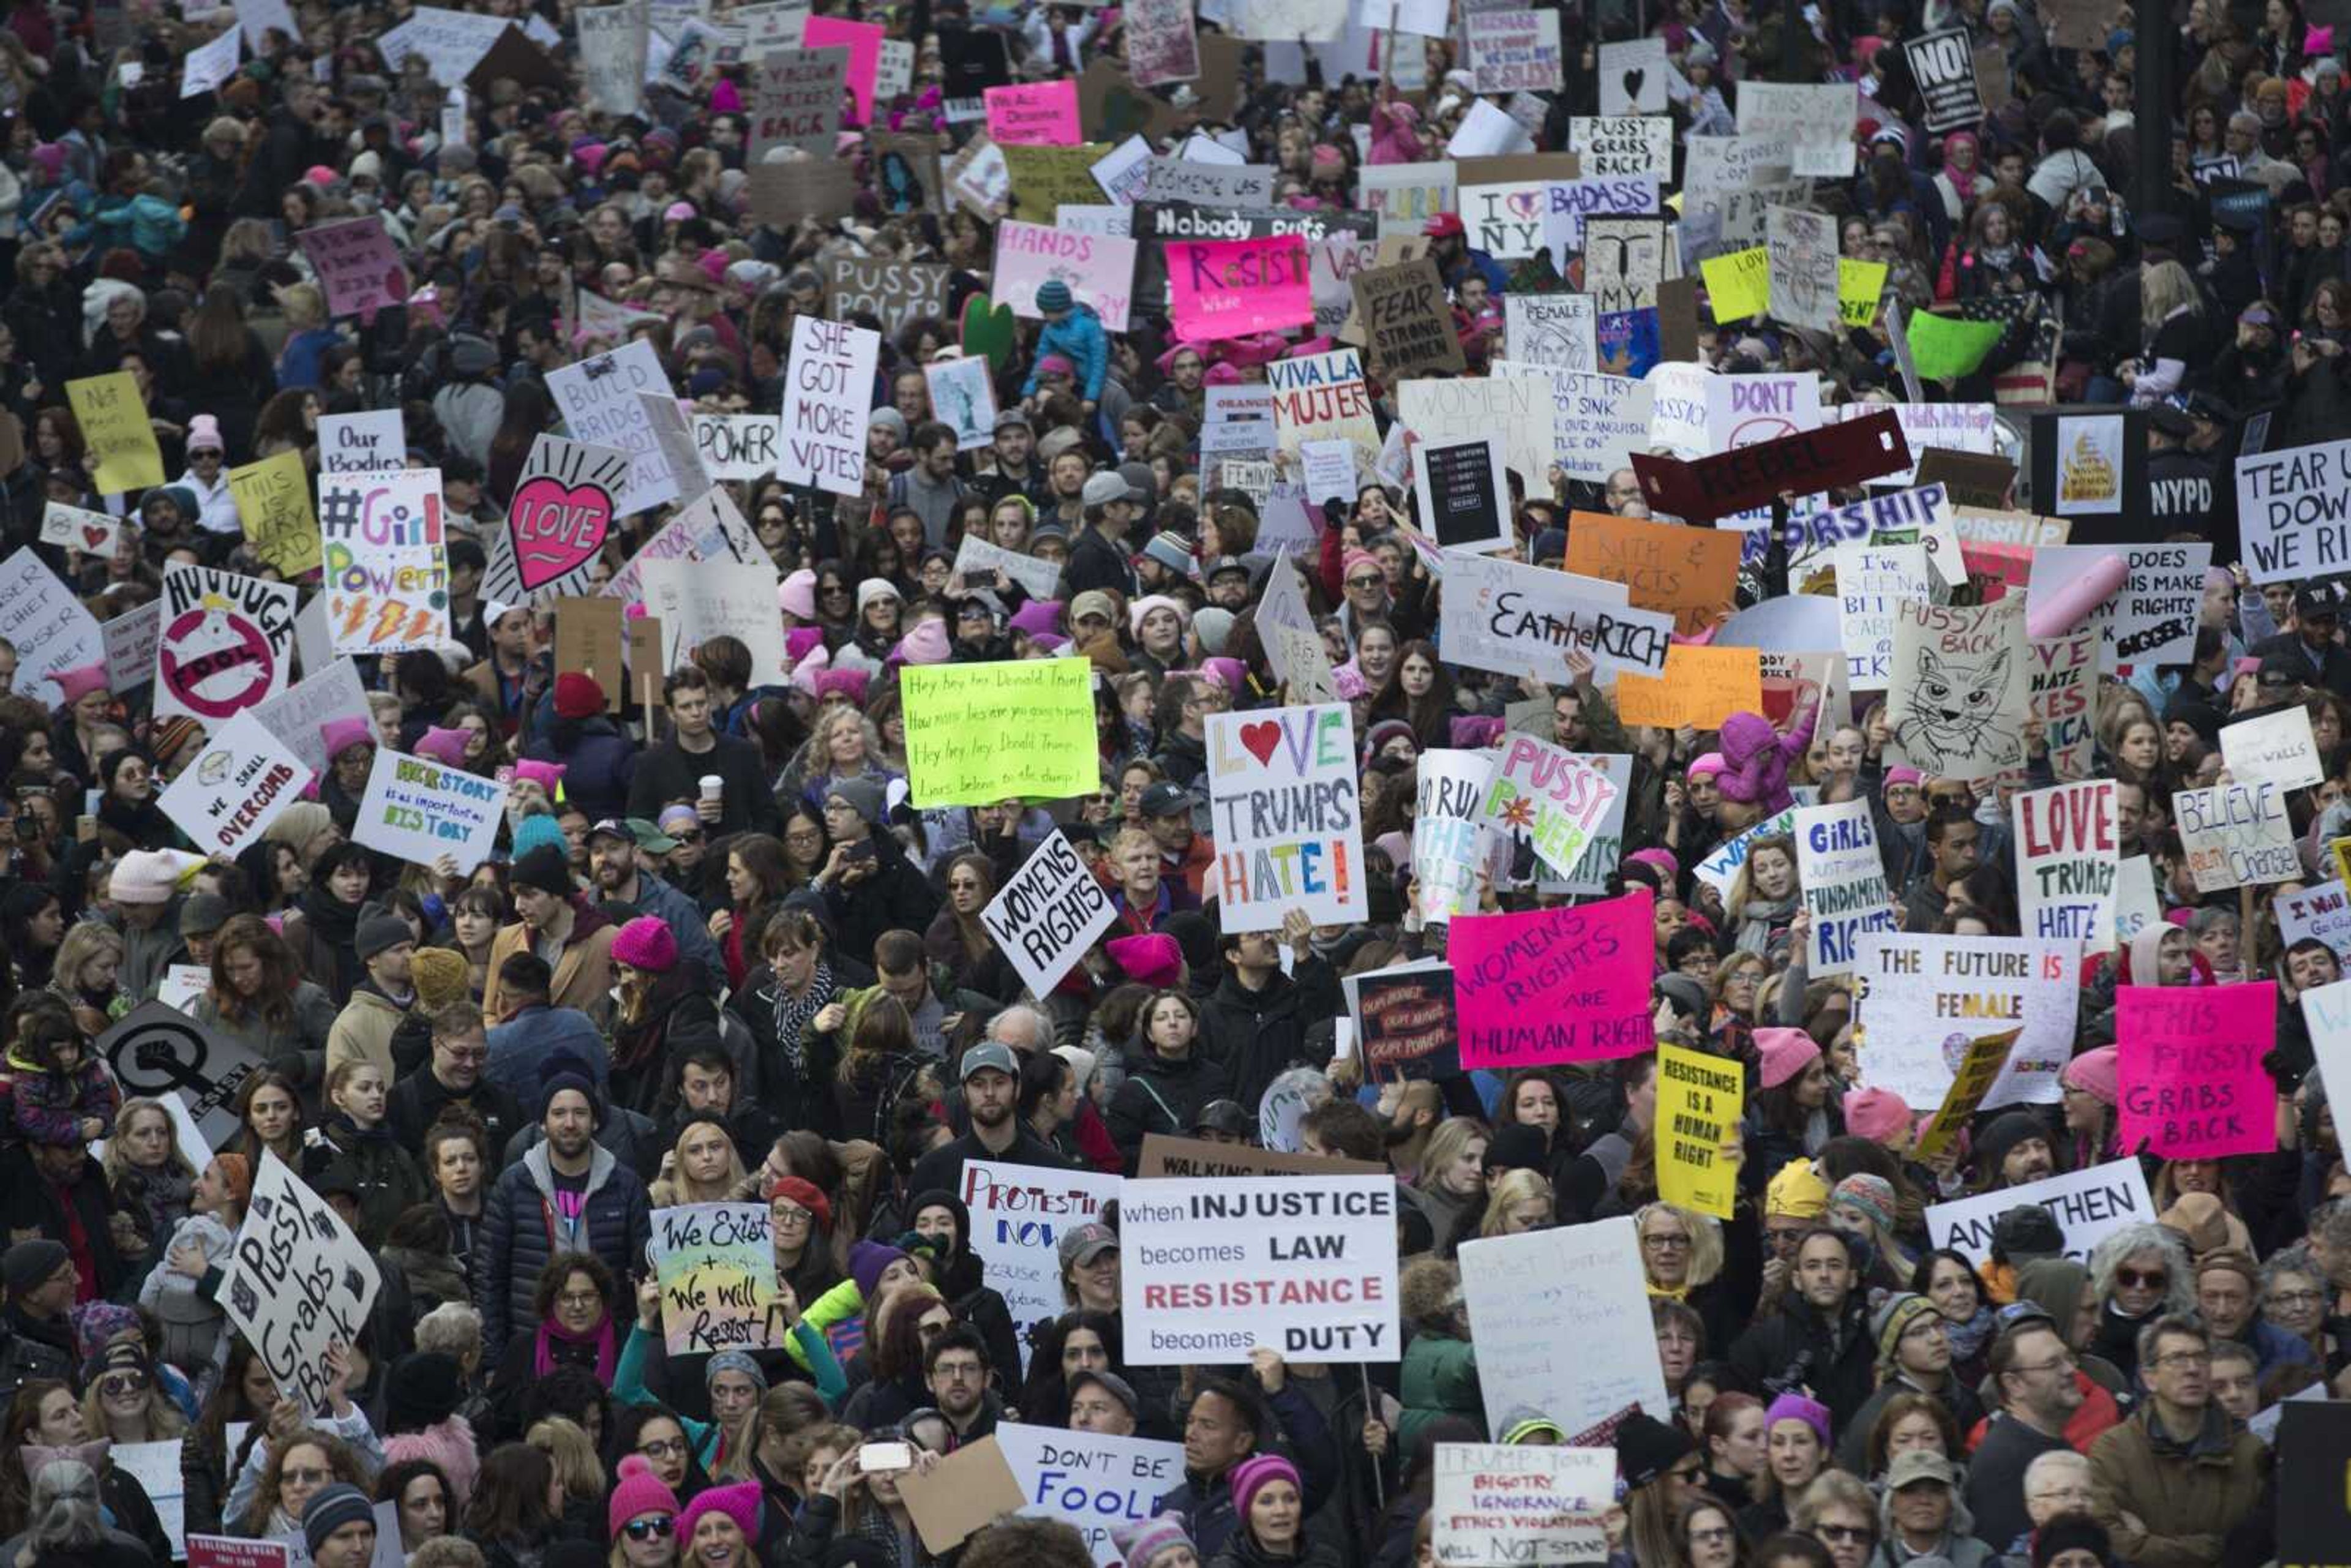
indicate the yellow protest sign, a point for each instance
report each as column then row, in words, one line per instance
column 1739, row 284
column 1699, row 1100
column 273, row 503
column 1702, row 687
column 114, row 420
column 1979, row 1070
column 2342, row 848
column 977, row 734
column 1045, row 177
column 1859, row 283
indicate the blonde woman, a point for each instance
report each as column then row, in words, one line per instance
column 126, row 1404
column 702, row 1167
column 308, row 335
column 577, row 1469
column 151, row 1179
column 1452, row 1173
column 2168, row 309
column 1519, row 1201
column 84, row 974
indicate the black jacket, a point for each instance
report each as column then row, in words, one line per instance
column 1258, row 1035
column 1794, row 1348
column 1163, row 1096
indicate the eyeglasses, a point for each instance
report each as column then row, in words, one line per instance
column 2185, row 1358
column 1714, row 1537
column 1665, row 1243
column 309, row 1476
column 2295, row 1297
column 830, row 589
column 579, row 1299
column 657, row 1528
column 1845, row 1532
column 785, row 1216
column 2055, row 1363
column 664, row 1449
column 1786, row 1240
column 1367, row 582
column 2132, row 1278
column 687, row 837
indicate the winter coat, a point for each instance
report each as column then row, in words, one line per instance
column 1959, row 1545
column 1163, row 1095
column 1079, row 338
column 2184, row 1498
column 1439, row 1378
column 600, row 764
column 371, row 1165
column 1258, row 1034
column 1242, row 1551
column 583, row 974
column 1792, row 1348
column 521, row 1232
column 363, row 1031
column 30, row 1350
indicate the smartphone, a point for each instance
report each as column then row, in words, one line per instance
column 863, row 850
column 872, row 1457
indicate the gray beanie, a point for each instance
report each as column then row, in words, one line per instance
column 1212, row 626
column 330, row 1509
column 380, row 931
column 863, row 795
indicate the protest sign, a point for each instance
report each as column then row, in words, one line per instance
column 1447, row 844
column 1322, row 397
column 978, row 733
column 273, row 506
column 2134, row 905
column 1515, row 620
column 1960, row 688
column 1288, row 824
column 1512, row 50
column 1860, row 285
column 1613, row 146
column 963, row 397
column 1232, row 288
column 1404, row 196
column 1044, row 180
column 1162, row 44
column 241, row 781
column 1171, row 179
column 709, row 529
column 565, row 503
column 1920, row 515
column 1871, row 582
column 1556, row 798
column 1019, row 1213
column 1047, row 914
column 613, row 42
column 1167, row 1156
column 114, row 428
column 895, row 292
column 1093, row 1481
column 1816, row 123
column 2193, row 1085
column 2088, row 1205
column 695, row 606
column 1944, row 67
column 2327, row 1013
column 2274, row 748
column 1700, row 1097
column 978, row 562
column 1408, row 320
column 1738, row 282
column 297, row 714
column 370, row 438
column 1567, row 984
column 737, row 445
column 1034, row 114
column 1691, row 574
column 796, row 101
column 223, row 643
column 825, row 405
column 2294, row 507
column 1719, row 869
column 1842, row 872
column 1923, row 998
column 155, row 1466
column 2063, row 694
column 2237, row 835
column 1554, row 331
column 1727, row 482
column 2068, row 851
column 160, row 1052
column 1563, row 1324
column 1598, row 420
column 1464, row 497
column 2321, row 914
column 1801, row 260
column 716, row 1264
column 236, row 1551
column 1979, row 1070
column 1099, row 270
column 131, row 640
column 600, row 402
column 1634, row 77
column 2154, row 612
column 1210, row 1271
column 589, row 638
column 72, row 527
column 357, row 264
column 1623, row 262
column 296, row 1283
column 1406, row 1020
column 210, row 65
column 387, row 577
column 1293, row 648
column 417, row 810
column 1502, row 1502
column 1702, row 687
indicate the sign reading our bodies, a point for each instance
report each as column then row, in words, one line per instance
column 1288, row 822
column 2193, row 1086
column 1210, row 1271
column 387, row 569
column 418, row 811
column 716, row 1264
column 978, row 733
column 225, row 643
column 1565, row 984
column 2067, row 858
column 1843, row 874
column 1923, row 999
column 2088, row 1206
column 297, row 1284
column 1049, row 913
column 1520, row 1503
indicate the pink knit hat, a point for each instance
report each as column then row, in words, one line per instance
column 1904, row 776
column 341, row 734
column 1711, row 764
column 801, row 640
column 1150, row 960
column 639, row 1491
column 203, row 434
column 796, row 595
column 1662, row 859
column 444, row 746
column 81, row 681
column 1785, row 1053
column 925, row 645
column 740, row 1502
column 2097, row 1073
column 851, row 684
column 1876, row 1115
column 645, row 943
column 1254, row 1472
column 546, row 775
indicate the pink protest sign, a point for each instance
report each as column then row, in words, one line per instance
column 1554, row 985
column 1034, row 114
column 2193, row 1086
column 863, row 42
column 1233, row 287
column 358, row 264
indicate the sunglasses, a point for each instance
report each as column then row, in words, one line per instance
column 687, row 837
column 2138, row 1282
column 660, row 1527
column 124, row 1383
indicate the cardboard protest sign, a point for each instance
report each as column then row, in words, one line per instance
column 2063, row 694
column 1700, row 1097
column 796, row 101
column 589, row 638
column 1979, row 1070
column 1563, row 1323
column 1162, row 44
column 1553, row 331
column 1923, row 998
column 1288, row 824
column 73, row 527
column 1019, row 1213
column 1552, row 795
column 1405, row 1018
column 241, row 781
column 387, row 570
column 1801, row 463
column 1502, row 1502
column 737, row 445
column 2088, row 1206
column 825, row 407
column 709, row 529
column 1960, row 688
column 1210, row 1271
column 1623, row 262
column 370, row 438
column 1408, row 321
column 2274, row 747
column 1167, row 1156
column 1322, row 397
column 2193, row 1086
column 1701, row 687
column 357, row 264
column 969, row 1491
column 114, row 427
column 599, row 399
column 963, row 397
column 2321, row 914
column 1871, row 582
column 2236, row 835
column 1099, row 270
column 1842, row 872
column 157, row 1051
column 1047, row 914
column 223, row 643
column 296, row 1283
column 1498, row 615
column 2294, row 507
column 2068, row 853
column 563, row 509
column 418, row 810
column 1691, row 574
column 1462, row 493
column 716, row 1264
column 297, row 714
column 1568, row 984
column 1448, row 843
column 895, row 292
column 978, row 733
column 1232, row 289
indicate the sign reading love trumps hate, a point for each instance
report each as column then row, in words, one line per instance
column 2193, row 1086
column 562, row 512
column 1568, row 984
column 1304, row 1265
column 827, row 399
column 2068, row 855
column 1288, row 822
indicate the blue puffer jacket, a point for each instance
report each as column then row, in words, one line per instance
column 1079, row 336
column 597, row 767
column 522, row 1229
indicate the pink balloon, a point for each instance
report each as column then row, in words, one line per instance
column 2061, row 611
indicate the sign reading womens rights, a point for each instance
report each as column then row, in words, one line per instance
column 1558, row 799
column 387, row 568
column 978, row 733
column 1287, row 822
column 357, row 264
column 563, row 509
column 716, row 1264
column 297, row 1284
column 1843, row 875
column 1565, row 984
column 418, row 811
column 2067, row 852
column 1047, row 914
column 2193, row 1086
column 1233, row 287
column 826, row 391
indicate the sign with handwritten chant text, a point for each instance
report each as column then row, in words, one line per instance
column 716, row 1264
column 297, row 1284
column 2192, row 1081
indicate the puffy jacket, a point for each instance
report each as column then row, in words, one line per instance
column 1161, row 1095
column 29, row 1350
column 2185, row 1498
column 1439, row 1378
column 1257, row 1034
column 1078, row 336
column 1792, row 1348
column 521, row 1232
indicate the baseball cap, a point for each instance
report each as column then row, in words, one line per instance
column 1087, row 1242
column 989, row 1053
column 1165, row 799
column 1225, row 1117
column 1915, row 1465
column 1112, row 1384
column 1105, row 488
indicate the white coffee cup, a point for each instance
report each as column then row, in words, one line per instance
column 713, row 787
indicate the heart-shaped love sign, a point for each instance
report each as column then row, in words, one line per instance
column 1259, row 740
column 558, row 528
column 987, row 330
column 92, row 536
column 1633, row 80
column 1526, row 205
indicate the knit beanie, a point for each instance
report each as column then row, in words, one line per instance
column 740, row 1502
column 540, row 831
column 2071, row 1532
column 863, row 795
column 1877, row 1114
column 1872, row 1195
column 1647, row 1447
column 866, row 1261
column 446, row 747
column 1994, row 1143
column 2097, row 1073
column 332, row 1507
column 1796, row 1407
column 1139, row 1543
column 1254, row 1472
column 422, row 1390
column 1893, row 1319
column 144, row 876
column 441, row 977
column 545, row 868
column 1785, row 1053
column 1797, row 1192
column 646, row 944
column 734, row 1361
column 27, row 1265
column 638, row 1491
column 380, row 931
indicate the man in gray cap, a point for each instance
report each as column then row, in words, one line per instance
column 991, row 1077
column 364, row 1029
column 202, row 915
column 1102, row 1401
column 1016, row 470
column 1098, row 557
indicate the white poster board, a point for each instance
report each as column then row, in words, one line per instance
column 296, row 1283
column 1561, row 1322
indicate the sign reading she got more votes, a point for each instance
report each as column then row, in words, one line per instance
column 716, row 1264
column 1566, row 984
column 978, row 733
column 563, row 509
column 1518, row 1504
column 2193, row 1086
column 1287, row 822
column 1049, row 914
column 1233, row 287
column 419, row 810
column 826, row 405
column 1305, row 1265
column 297, row 1284
column 1555, row 797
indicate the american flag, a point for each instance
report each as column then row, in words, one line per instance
column 2033, row 333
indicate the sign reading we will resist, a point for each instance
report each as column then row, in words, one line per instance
column 1300, row 1264
column 1566, row 984
column 1289, row 823
column 2193, row 1086
column 716, row 1264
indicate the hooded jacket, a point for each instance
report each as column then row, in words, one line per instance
column 522, row 1229
column 962, row 1282
column 364, row 1029
column 583, row 974
column 1959, row 1545
column 1163, row 1094
column 1078, row 336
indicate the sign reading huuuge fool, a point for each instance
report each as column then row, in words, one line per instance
column 1048, row 915
column 1289, row 825
column 1211, row 1270
column 1924, row 998
column 224, row 643
column 1844, row 881
column 2088, row 1206
column 716, row 1264
column 297, row 1284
